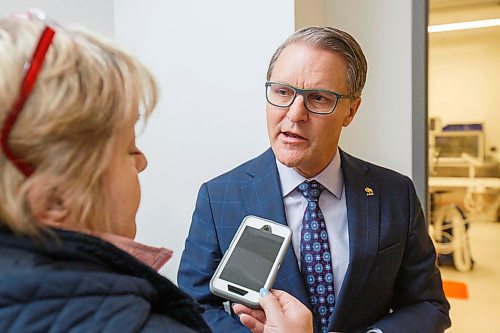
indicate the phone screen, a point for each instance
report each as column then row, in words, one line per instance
column 252, row 258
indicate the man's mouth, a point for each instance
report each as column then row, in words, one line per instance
column 293, row 135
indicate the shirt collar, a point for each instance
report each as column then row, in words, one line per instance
column 331, row 177
column 154, row 257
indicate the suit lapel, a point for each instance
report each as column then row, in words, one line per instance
column 263, row 197
column 362, row 201
column 262, row 192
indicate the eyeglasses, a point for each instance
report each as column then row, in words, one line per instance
column 317, row 101
column 31, row 70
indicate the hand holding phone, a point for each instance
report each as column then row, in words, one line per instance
column 252, row 261
column 281, row 312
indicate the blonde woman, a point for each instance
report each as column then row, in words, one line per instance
column 69, row 189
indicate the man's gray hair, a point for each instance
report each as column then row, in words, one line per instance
column 335, row 40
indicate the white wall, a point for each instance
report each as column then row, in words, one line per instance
column 311, row 13
column 95, row 15
column 382, row 129
column 210, row 58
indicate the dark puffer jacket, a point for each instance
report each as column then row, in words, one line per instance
column 79, row 283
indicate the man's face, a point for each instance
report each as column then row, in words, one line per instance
column 302, row 140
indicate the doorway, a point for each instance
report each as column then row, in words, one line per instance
column 464, row 143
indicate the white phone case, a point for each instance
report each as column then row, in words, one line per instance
column 237, row 283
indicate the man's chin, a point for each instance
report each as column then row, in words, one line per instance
column 288, row 159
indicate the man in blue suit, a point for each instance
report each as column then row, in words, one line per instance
column 375, row 240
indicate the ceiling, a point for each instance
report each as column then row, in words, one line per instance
column 438, row 4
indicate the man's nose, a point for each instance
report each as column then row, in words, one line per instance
column 297, row 112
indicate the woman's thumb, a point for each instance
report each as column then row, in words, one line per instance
column 269, row 303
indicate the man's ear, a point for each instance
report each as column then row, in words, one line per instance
column 353, row 108
column 48, row 206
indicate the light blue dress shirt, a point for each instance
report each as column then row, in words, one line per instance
column 333, row 205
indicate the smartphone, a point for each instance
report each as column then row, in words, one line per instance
column 252, row 261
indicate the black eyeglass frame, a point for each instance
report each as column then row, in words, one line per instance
column 303, row 92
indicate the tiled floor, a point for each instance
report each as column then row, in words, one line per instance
column 481, row 311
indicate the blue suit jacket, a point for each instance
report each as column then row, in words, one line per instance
column 391, row 281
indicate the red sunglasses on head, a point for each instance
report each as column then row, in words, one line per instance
column 32, row 70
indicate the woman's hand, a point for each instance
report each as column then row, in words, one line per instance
column 281, row 313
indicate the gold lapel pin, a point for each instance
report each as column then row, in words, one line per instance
column 369, row 191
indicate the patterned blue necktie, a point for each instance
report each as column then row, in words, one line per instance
column 315, row 255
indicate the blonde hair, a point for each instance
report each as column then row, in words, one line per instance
column 86, row 90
